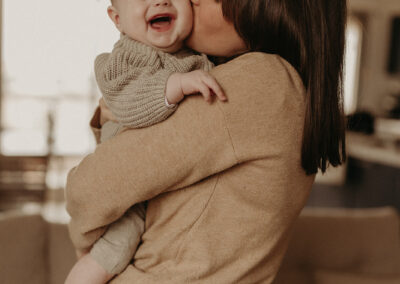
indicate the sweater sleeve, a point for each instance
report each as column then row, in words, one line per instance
column 134, row 92
column 139, row 164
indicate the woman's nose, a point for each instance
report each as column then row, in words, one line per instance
column 162, row 3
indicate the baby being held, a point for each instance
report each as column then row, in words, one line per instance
column 142, row 80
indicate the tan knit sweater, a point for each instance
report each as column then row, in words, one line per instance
column 132, row 79
column 224, row 181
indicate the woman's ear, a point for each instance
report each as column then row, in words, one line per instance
column 114, row 16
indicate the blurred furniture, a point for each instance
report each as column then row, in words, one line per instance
column 22, row 180
column 32, row 250
column 370, row 177
column 366, row 184
column 343, row 246
column 328, row 246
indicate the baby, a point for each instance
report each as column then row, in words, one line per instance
column 142, row 80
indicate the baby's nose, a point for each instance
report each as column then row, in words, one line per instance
column 162, row 2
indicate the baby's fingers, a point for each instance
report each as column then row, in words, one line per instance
column 215, row 87
column 205, row 92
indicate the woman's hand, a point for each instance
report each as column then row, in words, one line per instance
column 105, row 113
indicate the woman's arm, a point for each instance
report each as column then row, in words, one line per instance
column 140, row 164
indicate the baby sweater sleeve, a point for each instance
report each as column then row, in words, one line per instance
column 133, row 77
column 135, row 95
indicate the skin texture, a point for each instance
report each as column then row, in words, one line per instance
column 87, row 272
column 132, row 17
column 198, row 81
column 212, row 34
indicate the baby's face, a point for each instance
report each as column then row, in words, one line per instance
column 163, row 24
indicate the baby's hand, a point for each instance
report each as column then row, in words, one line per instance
column 198, row 81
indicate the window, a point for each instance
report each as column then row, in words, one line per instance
column 48, row 88
column 49, row 91
column 352, row 64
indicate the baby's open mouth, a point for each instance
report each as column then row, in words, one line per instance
column 161, row 22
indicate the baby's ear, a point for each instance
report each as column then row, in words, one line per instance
column 114, row 16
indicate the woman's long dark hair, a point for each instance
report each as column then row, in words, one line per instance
column 310, row 35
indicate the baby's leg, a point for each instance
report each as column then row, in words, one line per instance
column 88, row 271
column 113, row 251
column 116, row 248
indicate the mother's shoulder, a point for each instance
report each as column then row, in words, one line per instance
column 258, row 68
column 254, row 58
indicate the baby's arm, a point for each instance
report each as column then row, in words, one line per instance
column 198, row 81
column 133, row 80
column 113, row 251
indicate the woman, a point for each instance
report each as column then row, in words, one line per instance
column 225, row 182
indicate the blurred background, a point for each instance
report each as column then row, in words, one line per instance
column 371, row 176
column 48, row 94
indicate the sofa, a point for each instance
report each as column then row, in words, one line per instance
column 343, row 246
column 328, row 246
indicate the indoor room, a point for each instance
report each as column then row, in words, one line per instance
column 348, row 229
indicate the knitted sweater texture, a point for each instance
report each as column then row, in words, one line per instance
column 132, row 79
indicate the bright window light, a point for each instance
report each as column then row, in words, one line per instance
column 49, row 91
column 352, row 64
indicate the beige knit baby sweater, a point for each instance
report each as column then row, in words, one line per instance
column 224, row 181
column 132, row 79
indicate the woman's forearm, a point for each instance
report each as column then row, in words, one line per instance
column 139, row 164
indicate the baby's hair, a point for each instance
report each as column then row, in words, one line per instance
column 113, row 2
